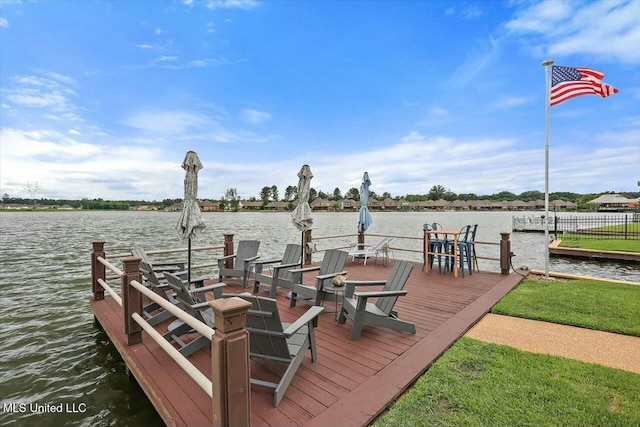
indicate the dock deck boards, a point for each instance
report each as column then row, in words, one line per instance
column 352, row 381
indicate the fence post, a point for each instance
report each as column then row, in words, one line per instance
column 306, row 250
column 361, row 239
column 626, row 224
column 98, row 270
column 230, row 367
column 505, row 253
column 131, row 299
column 228, row 250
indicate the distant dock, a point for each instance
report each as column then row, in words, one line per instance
column 533, row 223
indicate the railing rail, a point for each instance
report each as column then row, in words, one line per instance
column 230, row 318
column 361, row 241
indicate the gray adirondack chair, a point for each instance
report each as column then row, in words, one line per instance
column 157, row 267
column 332, row 265
column 246, row 253
column 194, row 303
column 153, row 312
column 356, row 307
column 271, row 339
column 281, row 275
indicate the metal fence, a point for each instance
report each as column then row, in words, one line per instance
column 599, row 227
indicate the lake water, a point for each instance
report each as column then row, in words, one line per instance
column 54, row 358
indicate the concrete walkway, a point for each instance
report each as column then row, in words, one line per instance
column 604, row 348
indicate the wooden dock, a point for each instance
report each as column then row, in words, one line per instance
column 352, row 382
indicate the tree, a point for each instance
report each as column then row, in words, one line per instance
column 449, row 196
column 274, row 193
column 337, row 195
column 312, row 194
column 231, row 199
column 437, row 192
column 386, row 195
column 265, row 193
column 529, row 196
column 290, row 193
column 353, row 193
column 503, row 196
column 323, row 195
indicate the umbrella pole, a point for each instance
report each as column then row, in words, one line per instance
column 303, row 251
column 189, row 264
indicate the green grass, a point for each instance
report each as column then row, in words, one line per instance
column 592, row 304
column 480, row 384
column 613, row 245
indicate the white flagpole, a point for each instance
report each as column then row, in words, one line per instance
column 547, row 64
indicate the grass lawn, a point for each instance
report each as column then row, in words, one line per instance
column 481, row 384
column 592, row 304
column 619, row 245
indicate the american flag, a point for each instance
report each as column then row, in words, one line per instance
column 569, row 82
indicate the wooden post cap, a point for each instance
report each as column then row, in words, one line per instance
column 230, row 314
column 131, row 264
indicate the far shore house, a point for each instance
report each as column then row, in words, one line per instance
column 613, row 202
column 320, row 204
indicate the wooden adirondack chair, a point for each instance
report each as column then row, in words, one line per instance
column 332, row 265
column 246, row 253
column 281, row 274
column 356, row 307
column 271, row 339
column 194, row 303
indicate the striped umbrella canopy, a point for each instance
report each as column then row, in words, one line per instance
column 364, row 217
column 190, row 223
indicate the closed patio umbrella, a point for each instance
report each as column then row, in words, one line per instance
column 364, row 217
column 191, row 222
column 301, row 215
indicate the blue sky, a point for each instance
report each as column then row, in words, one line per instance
column 104, row 98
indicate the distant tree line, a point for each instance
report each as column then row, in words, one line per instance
column 230, row 200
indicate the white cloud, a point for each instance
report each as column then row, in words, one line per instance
column 144, row 46
column 50, row 94
column 168, row 122
column 4, row 22
column 507, row 102
column 166, row 58
column 27, row 144
column 232, row 4
column 482, row 56
column 471, row 12
column 607, row 30
column 255, row 116
column 159, row 31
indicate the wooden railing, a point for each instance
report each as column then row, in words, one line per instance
column 504, row 259
column 230, row 394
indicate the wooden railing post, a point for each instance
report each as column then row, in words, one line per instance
column 230, row 367
column 98, row 270
column 505, row 253
column 306, row 249
column 228, row 250
column 361, row 239
column 131, row 299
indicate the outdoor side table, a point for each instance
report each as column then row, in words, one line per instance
column 336, row 291
column 385, row 257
